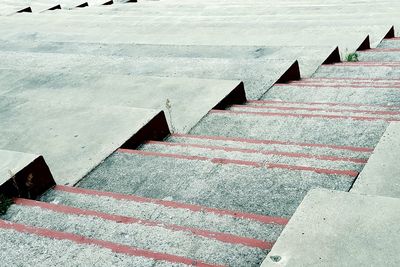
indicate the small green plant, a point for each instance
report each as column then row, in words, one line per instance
column 5, row 203
column 352, row 57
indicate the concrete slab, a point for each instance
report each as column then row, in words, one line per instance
column 332, row 228
column 23, row 175
column 257, row 75
column 73, row 139
column 381, row 175
column 188, row 99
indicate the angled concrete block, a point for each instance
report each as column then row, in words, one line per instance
column 381, row 174
column 72, row 138
column 332, row 228
column 23, row 175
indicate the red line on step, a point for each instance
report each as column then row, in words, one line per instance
column 227, row 238
column 375, row 112
column 364, row 64
column 277, row 142
column 348, row 82
column 264, row 152
column 380, row 50
column 349, row 79
column 319, row 103
column 339, row 85
column 301, row 115
column 117, row 248
column 237, row 162
column 317, row 170
column 179, row 156
column 178, row 205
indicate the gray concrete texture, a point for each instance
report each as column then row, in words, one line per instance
column 333, row 228
column 340, row 131
column 184, row 149
column 275, row 192
column 381, row 175
column 264, row 147
column 154, row 238
column 73, row 139
column 188, row 99
column 168, row 215
column 333, row 93
column 23, row 249
column 258, row 75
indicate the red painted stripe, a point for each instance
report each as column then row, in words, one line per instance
column 375, row 112
column 227, row 161
column 339, row 85
column 264, row 152
column 263, row 102
column 379, row 50
column 178, row 205
column 277, row 142
column 364, row 64
column 227, row 238
column 348, row 79
column 300, row 115
column 349, row 82
column 317, row 170
column 117, row 248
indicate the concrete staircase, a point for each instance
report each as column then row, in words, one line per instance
column 217, row 193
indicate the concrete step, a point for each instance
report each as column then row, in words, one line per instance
column 195, row 244
column 390, row 43
column 380, row 55
column 257, row 75
column 329, row 112
column 380, row 70
column 229, row 222
column 273, row 189
column 250, row 155
column 338, row 92
column 295, row 149
column 306, row 128
column 23, row 245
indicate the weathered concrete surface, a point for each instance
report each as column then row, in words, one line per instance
column 188, row 99
column 257, row 75
column 12, row 162
column 333, row 228
column 381, row 175
column 73, row 139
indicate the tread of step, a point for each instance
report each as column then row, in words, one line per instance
column 23, row 245
column 195, row 244
column 390, row 43
column 379, row 55
column 256, row 156
column 361, row 114
column 235, row 185
column 334, row 93
column 338, row 131
column 370, row 70
column 169, row 212
column 325, row 151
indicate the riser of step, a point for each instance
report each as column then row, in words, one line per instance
column 252, row 156
column 154, row 238
column 22, row 248
column 359, row 70
column 380, row 55
column 324, row 112
column 358, row 154
column 260, row 190
column 366, row 96
column 345, row 132
column 390, row 43
column 326, row 106
column 169, row 212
